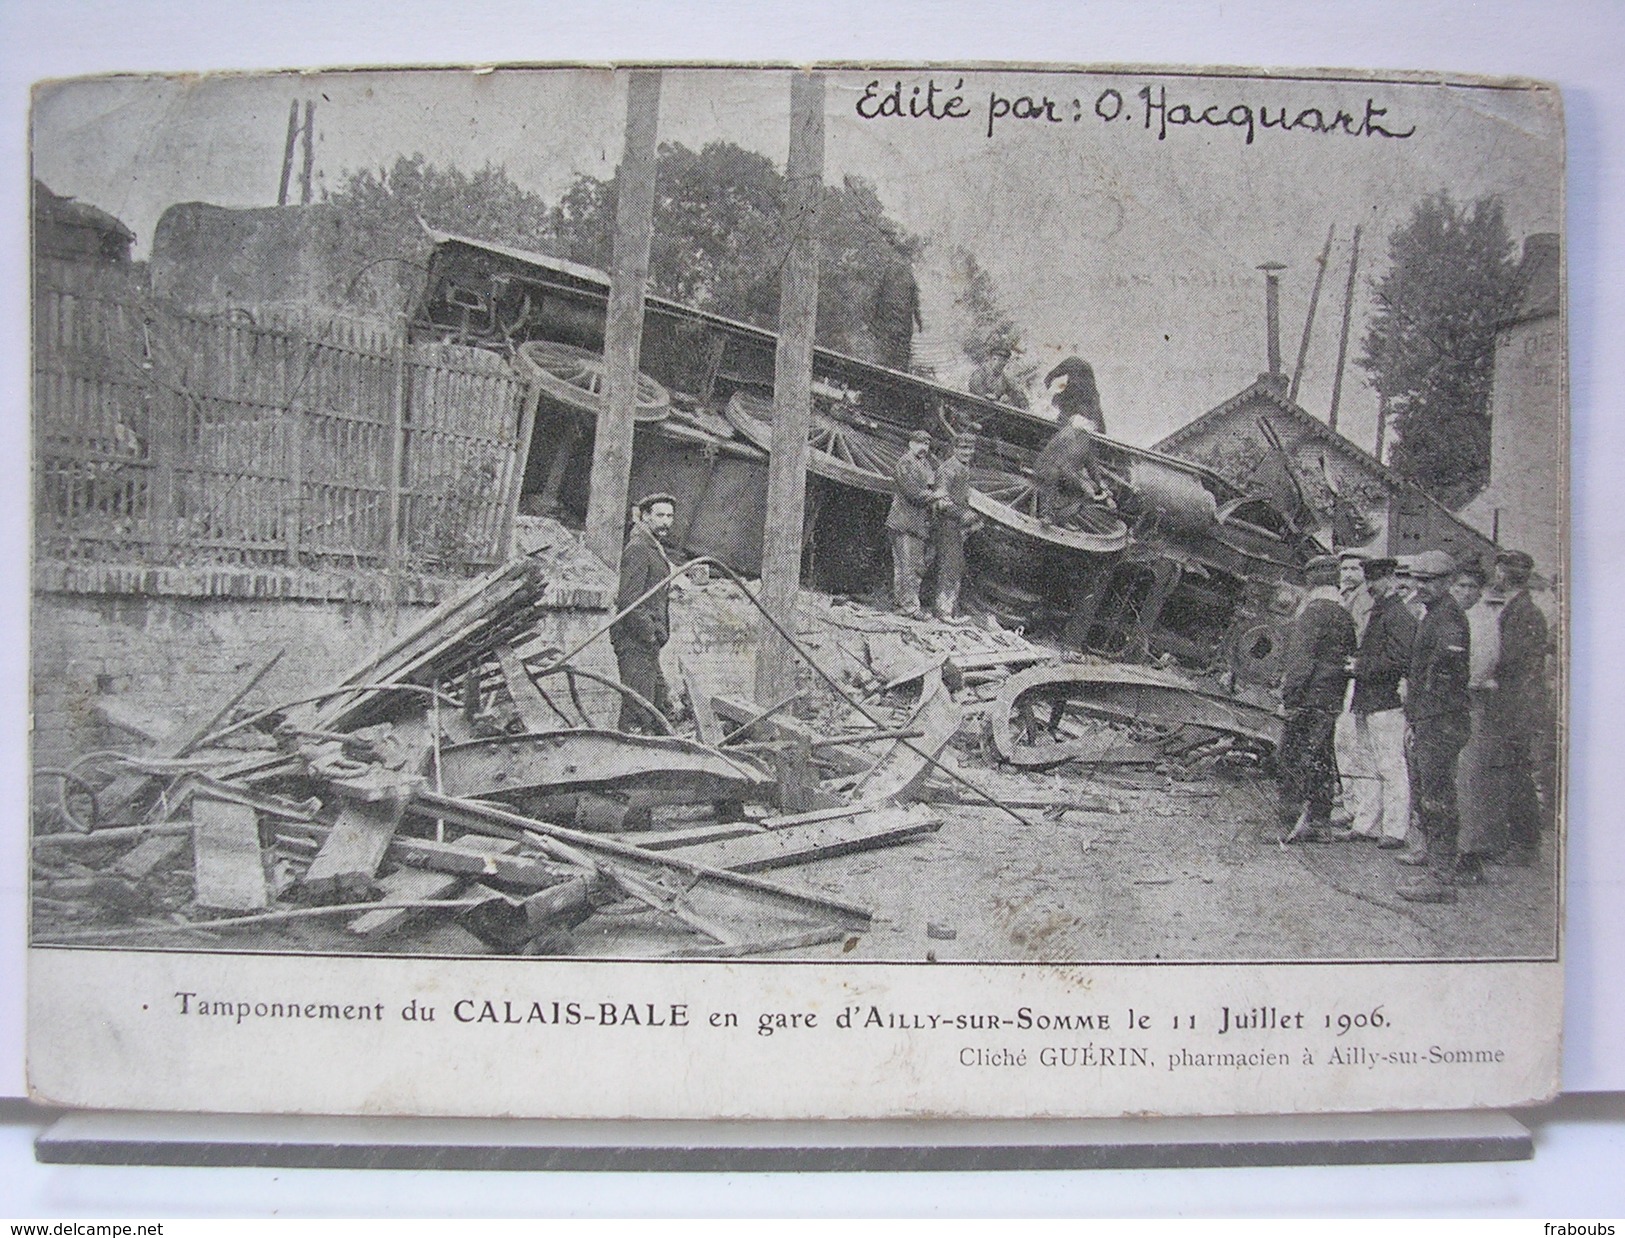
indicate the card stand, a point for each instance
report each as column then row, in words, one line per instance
column 286, row 1142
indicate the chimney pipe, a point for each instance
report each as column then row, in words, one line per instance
column 1272, row 311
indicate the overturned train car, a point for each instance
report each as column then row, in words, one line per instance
column 1181, row 564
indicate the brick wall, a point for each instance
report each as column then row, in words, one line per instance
column 176, row 657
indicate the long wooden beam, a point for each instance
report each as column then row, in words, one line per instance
column 473, row 815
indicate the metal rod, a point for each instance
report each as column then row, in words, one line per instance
column 486, row 818
column 1343, row 338
column 763, row 716
column 275, row 917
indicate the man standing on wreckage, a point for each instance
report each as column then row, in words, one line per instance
column 1314, row 677
column 908, row 523
column 643, row 631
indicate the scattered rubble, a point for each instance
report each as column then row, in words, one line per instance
column 450, row 793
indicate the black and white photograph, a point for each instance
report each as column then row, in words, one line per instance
column 1037, row 562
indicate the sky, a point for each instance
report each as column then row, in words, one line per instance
column 1116, row 221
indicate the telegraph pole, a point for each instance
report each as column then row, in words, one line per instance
column 623, row 331
column 287, row 152
column 792, row 388
column 305, row 191
column 1309, row 319
column 1343, row 339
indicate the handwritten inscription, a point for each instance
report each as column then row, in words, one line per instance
column 1148, row 109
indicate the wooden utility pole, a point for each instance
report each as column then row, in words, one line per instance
column 1309, row 318
column 287, row 153
column 623, row 333
column 305, row 191
column 792, row 388
column 1343, row 339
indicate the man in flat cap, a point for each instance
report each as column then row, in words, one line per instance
column 1384, row 810
column 1314, row 674
column 1405, row 586
column 642, row 632
column 908, row 524
column 1480, row 780
column 1437, row 709
column 1522, row 706
column 1355, row 777
column 1076, row 395
column 952, row 520
column 894, row 310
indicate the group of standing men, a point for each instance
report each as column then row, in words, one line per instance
column 1425, row 699
column 930, row 517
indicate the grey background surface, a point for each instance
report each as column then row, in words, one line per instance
column 1574, row 44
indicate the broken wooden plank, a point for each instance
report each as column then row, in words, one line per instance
column 737, row 713
column 771, row 945
column 906, row 763
column 487, row 818
column 354, row 850
column 476, row 856
column 408, row 885
column 148, row 854
column 798, row 789
column 228, row 867
column 817, row 840
column 510, row 923
column 535, row 714
column 699, row 702
column 405, row 885
column 493, row 611
column 75, row 841
column 479, row 854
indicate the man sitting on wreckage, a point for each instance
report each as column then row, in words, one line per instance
column 642, row 632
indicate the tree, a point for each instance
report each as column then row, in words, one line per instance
column 719, row 241
column 385, row 205
column 985, row 331
column 1430, row 345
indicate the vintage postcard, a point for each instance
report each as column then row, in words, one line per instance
column 773, row 592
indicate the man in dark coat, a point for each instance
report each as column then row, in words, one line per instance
column 952, row 521
column 908, row 524
column 1379, row 720
column 1066, row 472
column 1439, row 713
column 1079, row 397
column 1521, row 703
column 642, row 632
column 1314, row 677
column 894, row 314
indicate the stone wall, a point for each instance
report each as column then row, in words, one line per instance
column 1529, row 441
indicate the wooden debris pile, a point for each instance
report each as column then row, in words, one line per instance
column 451, row 794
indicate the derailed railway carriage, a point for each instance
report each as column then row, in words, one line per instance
column 1180, row 564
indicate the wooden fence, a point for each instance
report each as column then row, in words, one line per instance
column 167, row 438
